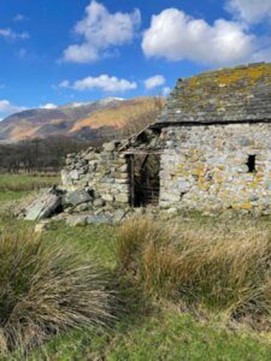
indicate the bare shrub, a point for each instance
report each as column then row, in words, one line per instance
column 148, row 114
column 219, row 266
column 45, row 289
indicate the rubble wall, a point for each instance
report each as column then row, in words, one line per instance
column 205, row 168
column 104, row 173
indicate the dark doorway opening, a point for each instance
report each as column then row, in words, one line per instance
column 144, row 179
column 251, row 163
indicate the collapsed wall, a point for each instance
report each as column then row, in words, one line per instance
column 103, row 174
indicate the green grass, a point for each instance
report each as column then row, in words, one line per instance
column 15, row 187
column 172, row 336
column 144, row 331
column 25, row 183
column 97, row 240
column 166, row 336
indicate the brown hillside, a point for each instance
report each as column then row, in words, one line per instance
column 90, row 121
column 116, row 117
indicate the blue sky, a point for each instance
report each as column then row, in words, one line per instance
column 56, row 52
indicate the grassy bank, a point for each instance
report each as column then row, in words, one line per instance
column 194, row 288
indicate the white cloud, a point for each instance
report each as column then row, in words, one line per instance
column 19, row 17
column 48, row 106
column 64, row 84
column 175, row 36
column 166, row 91
column 101, row 31
column 154, row 81
column 22, row 53
column 103, row 82
column 10, row 34
column 6, row 107
column 251, row 11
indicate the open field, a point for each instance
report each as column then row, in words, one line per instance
column 222, row 318
column 15, row 187
column 26, row 182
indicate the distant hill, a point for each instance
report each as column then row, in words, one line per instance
column 86, row 121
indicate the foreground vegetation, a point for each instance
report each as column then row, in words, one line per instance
column 221, row 266
column 190, row 288
column 46, row 288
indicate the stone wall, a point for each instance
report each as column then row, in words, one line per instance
column 103, row 173
column 205, row 168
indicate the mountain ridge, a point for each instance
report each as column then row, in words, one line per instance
column 78, row 120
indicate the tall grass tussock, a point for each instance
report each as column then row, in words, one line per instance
column 221, row 266
column 46, row 288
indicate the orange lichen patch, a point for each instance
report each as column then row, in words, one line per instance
column 245, row 206
column 117, row 116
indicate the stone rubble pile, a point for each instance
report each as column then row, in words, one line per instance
column 95, row 189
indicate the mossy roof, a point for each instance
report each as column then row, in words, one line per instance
column 232, row 94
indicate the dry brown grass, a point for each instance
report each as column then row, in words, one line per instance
column 45, row 289
column 222, row 266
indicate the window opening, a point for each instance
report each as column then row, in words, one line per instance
column 251, row 163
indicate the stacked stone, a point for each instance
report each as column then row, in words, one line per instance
column 103, row 174
column 206, row 168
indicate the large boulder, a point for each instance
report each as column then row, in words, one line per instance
column 77, row 197
column 43, row 207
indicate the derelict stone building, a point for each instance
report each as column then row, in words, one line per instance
column 210, row 150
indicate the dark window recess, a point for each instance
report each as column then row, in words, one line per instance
column 251, row 163
column 144, row 179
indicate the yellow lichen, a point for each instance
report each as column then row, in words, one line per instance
column 197, row 90
column 230, row 77
column 245, row 206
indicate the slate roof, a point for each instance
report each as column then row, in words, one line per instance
column 227, row 95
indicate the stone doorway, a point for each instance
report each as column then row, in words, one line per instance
column 144, row 174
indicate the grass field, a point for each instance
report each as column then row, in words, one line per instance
column 15, row 187
column 147, row 328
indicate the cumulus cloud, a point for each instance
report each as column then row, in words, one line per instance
column 7, row 108
column 154, row 81
column 49, row 106
column 103, row 82
column 101, row 31
column 64, row 84
column 10, row 34
column 251, row 11
column 175, row 36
